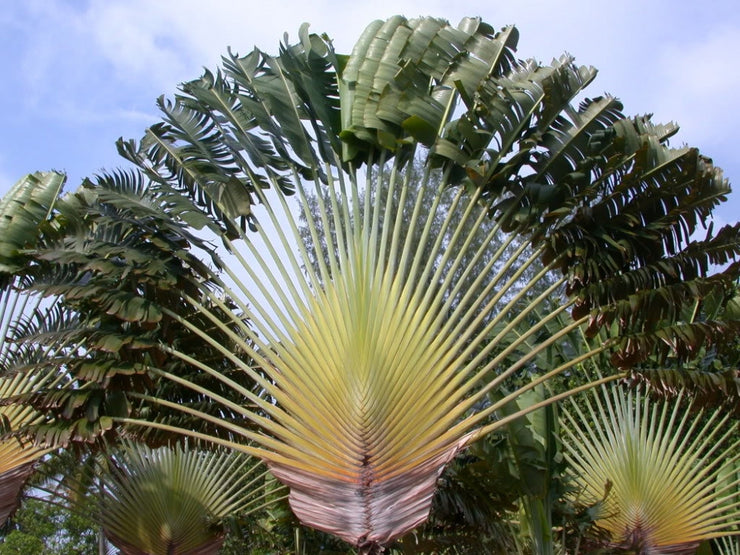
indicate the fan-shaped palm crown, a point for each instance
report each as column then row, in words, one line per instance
column 658, row 467
column 373, row 366
column 172, row 500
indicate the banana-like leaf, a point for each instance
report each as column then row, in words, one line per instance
column 660, row 469
column 601, row 191
column 117, row 256
column 534, row 444
column 23, row 209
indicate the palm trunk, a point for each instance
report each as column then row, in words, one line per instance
column 370, row 548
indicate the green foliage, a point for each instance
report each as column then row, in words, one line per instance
column 41, row 528
column 119, row 254
column 25, row 209
column 711, row 375
column 175, row 500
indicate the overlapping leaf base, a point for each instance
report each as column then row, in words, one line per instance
column 11, row 483
column 364, row 511
column 366, row 350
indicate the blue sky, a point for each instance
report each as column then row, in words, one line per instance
column 78, row 74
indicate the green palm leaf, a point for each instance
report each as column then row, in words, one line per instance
column 24, row 212
column 116, row 257
column 18, row 454
column 728, row 545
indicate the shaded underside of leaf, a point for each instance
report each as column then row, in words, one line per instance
column 11, row 484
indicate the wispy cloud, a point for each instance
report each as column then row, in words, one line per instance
column 104, row 62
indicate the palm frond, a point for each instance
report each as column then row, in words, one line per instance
column 119, row 255
column 18, row 454
column 728, row 545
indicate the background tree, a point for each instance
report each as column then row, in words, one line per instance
column 480, row 234
column 41, row 528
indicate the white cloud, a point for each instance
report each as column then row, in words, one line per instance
column 111, row 48
column 162, row 38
